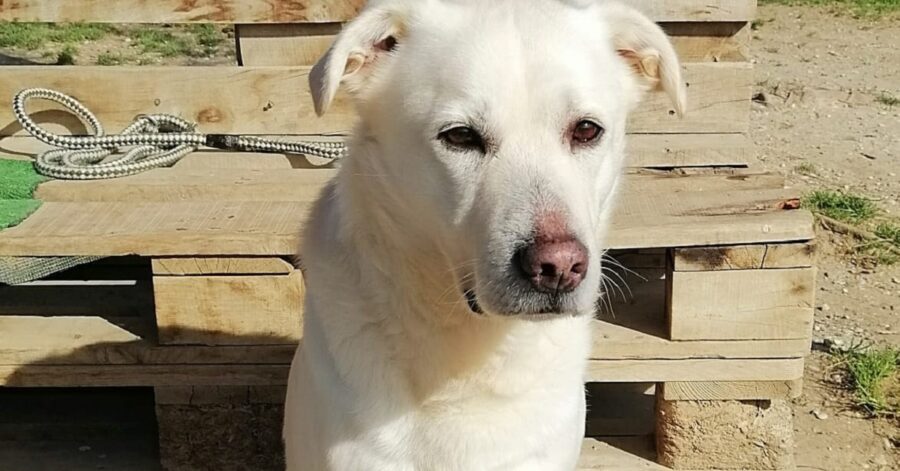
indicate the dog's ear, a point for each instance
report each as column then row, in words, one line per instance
column 351, row 59
column 647, row 50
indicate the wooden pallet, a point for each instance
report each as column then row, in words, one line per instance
column 718, row 322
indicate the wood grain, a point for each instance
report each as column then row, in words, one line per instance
column 744, row 257
column 291, row 11
column 306, row 43
column 304, row 186
column 180, row 11
column 276, row 100
column 194, row 266
column 742, row 391
column 229, row 310
column 642, row 371
column 272, row 228
column 742, row 304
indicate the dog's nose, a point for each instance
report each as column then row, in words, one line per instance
column 554, row 266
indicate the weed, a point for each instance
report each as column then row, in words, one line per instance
column 841, row 206
column 158, row 41
column 886, row 98
column 36, row 35
column 109, row 58
column 889, row 231
column 873, row 377
column 67, row 55
column 805, row 168
column 208, row 37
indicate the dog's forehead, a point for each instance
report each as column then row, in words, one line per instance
column 503, row 51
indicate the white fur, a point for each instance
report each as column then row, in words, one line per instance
column 396, row 372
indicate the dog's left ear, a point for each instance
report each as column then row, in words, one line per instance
column 352, row 58
column 648, row 51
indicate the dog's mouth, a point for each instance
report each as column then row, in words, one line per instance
column 472, row 301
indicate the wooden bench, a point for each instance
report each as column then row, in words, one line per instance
column 197, row 298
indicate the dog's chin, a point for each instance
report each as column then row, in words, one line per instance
column 537, row 307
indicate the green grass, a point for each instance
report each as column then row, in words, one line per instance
column 33, row 36
column 889, row 231
column 886, row 98
column 805, row 168
column 874, row 377
column 67, row 55
column 841, row 206
column 199, row 40
column 108, row 58
column 866, row 8
column 18, row 180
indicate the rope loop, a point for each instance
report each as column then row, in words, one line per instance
column 154, row 140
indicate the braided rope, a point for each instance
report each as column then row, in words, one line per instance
column 156, row 140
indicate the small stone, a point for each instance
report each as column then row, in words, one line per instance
column 880, row 460
column 84, row 448
column 819, row 414
column 887, row 444
column 824, row 308
column 895, row 281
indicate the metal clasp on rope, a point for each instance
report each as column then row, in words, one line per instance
column 156, row 140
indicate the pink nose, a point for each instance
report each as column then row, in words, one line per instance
column 554, row 266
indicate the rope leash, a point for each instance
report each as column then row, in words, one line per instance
column 156, row 140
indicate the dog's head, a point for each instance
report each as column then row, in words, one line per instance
column 500, row 129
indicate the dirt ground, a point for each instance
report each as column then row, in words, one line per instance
column 818, row 120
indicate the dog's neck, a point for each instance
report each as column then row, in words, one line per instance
column 413, row 300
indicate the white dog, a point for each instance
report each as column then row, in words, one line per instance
column 454, row 264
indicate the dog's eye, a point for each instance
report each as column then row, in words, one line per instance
column 463, row 138
column 586, row 132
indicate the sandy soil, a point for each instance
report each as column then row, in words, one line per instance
column 818, row 79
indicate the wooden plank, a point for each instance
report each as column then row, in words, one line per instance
column 744, row 257
column 193, row 266
column 292, row 11
column 644, row 151
column 74, row 376
column 619, row 454
column 305, row 44
column 284, row 44
column 688, row 150
column 742, row 304
column 720, row 391
column 229, row 310
column 275, row 100
column 180, row 185
column 273, row 228
column 248, row 185
column 220, row 99
column 642, row 371
column 183, row 11
column 33, row 340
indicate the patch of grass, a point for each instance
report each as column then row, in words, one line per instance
column 18, row 179
column 873, row 375
column 889, row 231
column 164, row 43
column 841, row 206
column 805, row 168
column 886, row 98
column 867, row 8
column 67, row 55
column 36, row 35
column 109, row 58
column 208, row 37
column 196, row 41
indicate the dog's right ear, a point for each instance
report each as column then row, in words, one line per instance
column 351, row 60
